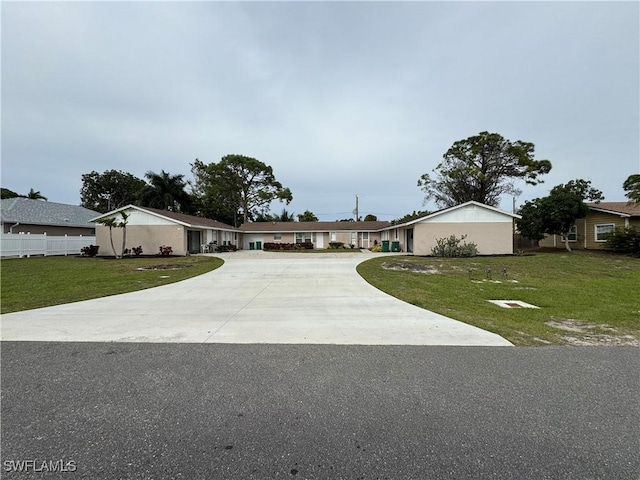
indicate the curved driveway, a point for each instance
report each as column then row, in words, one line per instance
column 255, row 297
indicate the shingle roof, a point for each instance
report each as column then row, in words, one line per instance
column 190, row 220
column 313, row 226
column 623, row 208
column 39, row 212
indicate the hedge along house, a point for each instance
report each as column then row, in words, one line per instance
column 151, row 228
column 321, row 234
column 491, row 229
column 591, row 232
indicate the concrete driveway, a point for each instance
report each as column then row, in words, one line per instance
column 255, row 297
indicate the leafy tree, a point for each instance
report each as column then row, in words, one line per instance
column 166, row 192
column 558, row 212
column 482, row 168
column 410, row 216
column 307, row 216
column 6, row 193
column 240, row 186
column 632, row 186
column 33, row 195
column 110, row 190
column 370, row 218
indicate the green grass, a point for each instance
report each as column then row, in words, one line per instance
column 318, row 250
column 44, row 281
column 597, row 292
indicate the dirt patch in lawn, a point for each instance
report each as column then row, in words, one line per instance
column 410, row 267
column 176, row 266
column 585, row 334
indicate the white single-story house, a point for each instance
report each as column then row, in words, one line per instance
column 490, row 228
column 25, row 215
column 152, row 228
column 321, row 234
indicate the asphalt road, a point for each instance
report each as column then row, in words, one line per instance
column 222, row 411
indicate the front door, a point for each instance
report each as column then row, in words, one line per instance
column 320, row 240
column 193, row 241
column 410, row 240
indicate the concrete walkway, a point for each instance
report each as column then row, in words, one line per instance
column 255, row 297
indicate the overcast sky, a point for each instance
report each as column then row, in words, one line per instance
column 339, row 98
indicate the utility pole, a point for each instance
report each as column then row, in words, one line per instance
column 356, row 210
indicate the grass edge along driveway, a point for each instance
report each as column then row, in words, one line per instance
column 36, row 282
column 585, row 298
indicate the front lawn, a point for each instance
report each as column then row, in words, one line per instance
column 43, row 281
column 584, row 297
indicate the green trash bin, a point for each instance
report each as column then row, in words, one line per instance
column 395, row 246
column 385, row 245
column 252, row 246
column 258, row 245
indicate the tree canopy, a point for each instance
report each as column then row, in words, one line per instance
column 166, row 192
column 33, row 195
column 236, row 187
column 307, row 216
column 370, row 218
column 482, row 168
column 410, row 216
column 556, row 213
column 632, row 188
column 107, row 191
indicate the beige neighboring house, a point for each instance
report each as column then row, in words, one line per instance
column 151, row 228
column 490, row 228
column 359, row 234
column 590, row 232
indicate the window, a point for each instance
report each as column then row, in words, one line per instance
column 573, row 234
column 333, row 236
column 602, row 231
column 277, row 237
column 303, row 237
column 365, row 235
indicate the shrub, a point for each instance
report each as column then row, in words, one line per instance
column 165, row 251
column 624, row 240
column 336, row 244
column 454, row 247
column 226, row 248
column 90, row 251
column 376, row 248
column 137, row 251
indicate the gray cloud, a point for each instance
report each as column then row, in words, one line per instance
column 340, row 98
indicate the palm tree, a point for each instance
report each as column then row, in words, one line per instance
column 33, row 195
column 111, row 223
column 165, row 191
column 285, row 216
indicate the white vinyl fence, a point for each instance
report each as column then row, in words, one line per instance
column 24, row 245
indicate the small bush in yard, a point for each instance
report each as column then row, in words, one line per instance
column 454, row 247
column 625, row 240
column 336, row 244
column 90, row 251
column 165, row 251
column 137, row 251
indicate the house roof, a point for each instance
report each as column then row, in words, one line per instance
column 451, row 209
column 39, row 212
column 261, row 227
column 187, row 220
column 624, row 209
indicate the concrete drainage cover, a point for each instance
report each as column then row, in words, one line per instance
column 512, row 304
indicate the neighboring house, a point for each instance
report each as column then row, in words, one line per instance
column 490, row 228
column 23, row 215
column 359, row 234
column 591, row 232
column 152, row 228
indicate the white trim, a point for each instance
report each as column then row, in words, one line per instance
column 595, row 230
column 612, row 212
column 450, row 209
